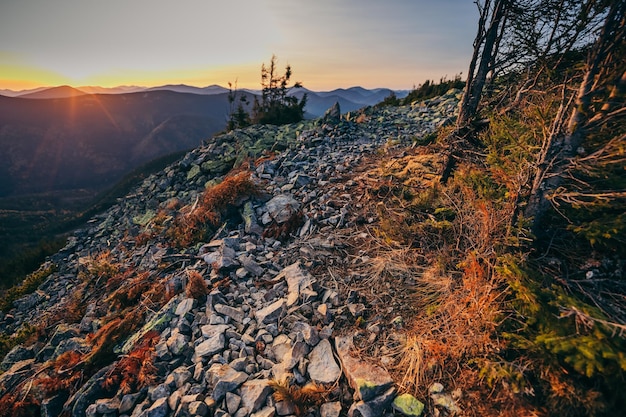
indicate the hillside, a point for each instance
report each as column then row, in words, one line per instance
column 49, row 144
column 137, row 259
column 324, row 269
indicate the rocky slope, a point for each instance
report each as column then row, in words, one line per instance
column 142, row 316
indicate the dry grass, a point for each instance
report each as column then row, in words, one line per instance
column 301, row 398
column 190, row 226
column 135, row 370
column 196, row 286
column 432, row 258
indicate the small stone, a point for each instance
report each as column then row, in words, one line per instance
column 224, row 379
column 266, row 412
column 185, row 306
column 232, row 402
column 322, row 367
column 160, row 408
column 330, row 409
column 270, row 313
column 367, row 380
column 408, row 405
column 160, row 391
column 198, row 408
column 254, row 393
column 234, row 313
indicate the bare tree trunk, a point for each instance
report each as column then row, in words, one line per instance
column 562, row 143
column 474, row 89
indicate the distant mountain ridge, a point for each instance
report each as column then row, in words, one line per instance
column 350, row 99
column 66, row 138
column 91, row 140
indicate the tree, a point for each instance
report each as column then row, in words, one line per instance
column 491, row 25
column 597, row 102
column 238, row 117
column 276, row 105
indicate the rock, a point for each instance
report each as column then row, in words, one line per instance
column 107, row 405
column 309, row 333
column 128, row 401
column 266, row 412
column 88, row 393
column 234, row 313
column 232, row 402
column 251, row 266
column 254, row 393
column 322, row 367
column 216, row 340
column 250, row 220
column 185, row 306
column 177, row 343
column 271, row 313
column 224, row 379
column 333, row 114
column 374, row 407
column 160, row 391
column 330, row 409
column 280, row 209
column 198, row 408
column 408, row 405
column 179, row 377
column 297, row 281
column 17, row 354
column 160, row 408
column 366, row 379
column 53, row 406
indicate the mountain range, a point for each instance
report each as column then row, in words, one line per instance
column 63, row 138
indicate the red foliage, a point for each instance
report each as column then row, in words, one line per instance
column 136, row 369
column 196, row 286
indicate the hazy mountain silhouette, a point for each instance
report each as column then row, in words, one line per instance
column 90, row 141
column 54, row 92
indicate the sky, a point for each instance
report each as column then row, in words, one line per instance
column 328, row 43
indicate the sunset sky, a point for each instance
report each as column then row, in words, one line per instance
column 329, row 43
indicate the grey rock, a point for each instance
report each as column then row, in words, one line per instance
column 280, row 209
column 251, row 266
column 224, row 379
column 322, row 367
column 254, row 393
column 107, row 405
column 408, row 405
column 330, row 409
column 309, row 333
column 297, row 281
column 266, row 412
column 232, row 402
column 160, row 408
column 17, row 354
column 198, row 408
column 128, row 401
column 160, row 391
column 215, row 341
column 185, row 306
column 234, row 313
column 179, row 377
column 333, row 114
column 367, row 380
column 271, row 313
column 177, row 342
column 88, row 393
column 53, row 406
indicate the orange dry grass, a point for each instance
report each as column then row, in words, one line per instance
column 301, row 398
column 196, row 286
column 190, row 227
column 135, row 370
